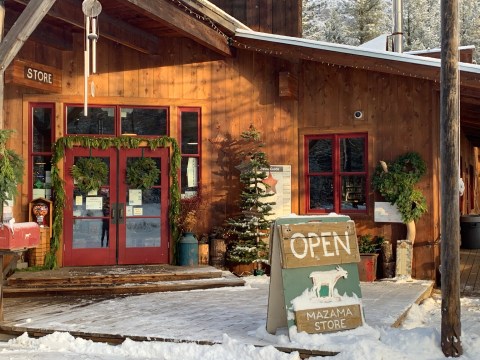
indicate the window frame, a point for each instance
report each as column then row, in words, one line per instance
column 31, row 153
column 336, row 173
column 198, row 155
column 117, row 123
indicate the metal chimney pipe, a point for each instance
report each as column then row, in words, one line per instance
column 397, row 26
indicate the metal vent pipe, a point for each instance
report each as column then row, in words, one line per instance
column 397, row 26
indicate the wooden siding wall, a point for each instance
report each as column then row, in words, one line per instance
column 236, row 92
column 232, row 94
column 283, row 17
column 397, row 114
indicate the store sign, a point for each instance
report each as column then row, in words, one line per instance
column 314, row 275
column 34, row 75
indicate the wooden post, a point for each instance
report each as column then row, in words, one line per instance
column 449, row 158
column 2, row 80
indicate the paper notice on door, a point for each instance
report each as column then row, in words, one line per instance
column 137, row 211
column 135, row 197
column 94, row 203
column 79, row 200
column 129, row 210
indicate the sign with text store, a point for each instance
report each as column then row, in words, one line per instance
column 314, row 284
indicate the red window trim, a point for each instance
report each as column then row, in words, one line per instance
column 31, row 153
column 335, row 173
column 198, row 110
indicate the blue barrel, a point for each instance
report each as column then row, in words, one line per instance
column 187, row 250
column 470, row 231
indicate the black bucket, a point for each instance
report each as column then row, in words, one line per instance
column 470, row 231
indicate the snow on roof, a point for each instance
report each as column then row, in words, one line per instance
column 348, row 49
column 215, row 9
column 437, row 49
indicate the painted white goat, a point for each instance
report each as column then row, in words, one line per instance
column 328, row 278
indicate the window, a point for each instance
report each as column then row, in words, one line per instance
column 40, row 153
column 336, row 173
column 100, row 120
column 190, row 145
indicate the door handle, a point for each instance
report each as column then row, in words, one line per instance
column 113, row 213
column 121, row 212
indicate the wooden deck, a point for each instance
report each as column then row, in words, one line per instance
column 114, row 280
column 469, row 272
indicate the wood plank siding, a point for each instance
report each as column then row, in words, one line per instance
column 400, row 112
column 281, row 17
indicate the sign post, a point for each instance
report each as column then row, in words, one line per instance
column 314, row 283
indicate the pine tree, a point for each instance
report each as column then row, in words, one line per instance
column 250, row 228
column 365, row 19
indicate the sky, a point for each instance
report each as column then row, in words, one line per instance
column 417, row 338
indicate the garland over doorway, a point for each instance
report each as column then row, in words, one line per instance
column 122, row 142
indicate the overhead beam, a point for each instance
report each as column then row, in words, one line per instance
column 70, row 11
column 21, row 30
column 178, row 19
column 45, row 34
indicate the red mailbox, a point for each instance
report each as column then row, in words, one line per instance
column 19, row 236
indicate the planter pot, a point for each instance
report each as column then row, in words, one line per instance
column 367, row 267
column 203, row 254
column 218, row 248
column 188, row 250
column 240, row 269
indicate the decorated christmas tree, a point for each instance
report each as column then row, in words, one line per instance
column 249, row 230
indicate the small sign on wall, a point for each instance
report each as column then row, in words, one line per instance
column 386, row 212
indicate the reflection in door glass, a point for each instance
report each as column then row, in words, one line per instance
column 143, row 232
column 88, row 233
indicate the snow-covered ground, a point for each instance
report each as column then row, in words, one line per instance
column 418, row 338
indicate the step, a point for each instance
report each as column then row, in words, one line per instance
column 123, row 288
column 117, row 280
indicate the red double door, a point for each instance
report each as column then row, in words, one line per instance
column 116, row 224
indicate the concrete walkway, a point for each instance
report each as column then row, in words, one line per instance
column 200, row 315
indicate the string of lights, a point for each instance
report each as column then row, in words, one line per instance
column 295, row 54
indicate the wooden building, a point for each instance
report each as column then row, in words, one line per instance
column 201, row 75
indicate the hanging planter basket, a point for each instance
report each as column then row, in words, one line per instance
column 89, row 173
column 142, row 173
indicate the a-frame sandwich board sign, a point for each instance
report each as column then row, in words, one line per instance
column 314, row 283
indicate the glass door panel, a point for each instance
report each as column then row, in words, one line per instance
column 88, row 218
column 143, row 238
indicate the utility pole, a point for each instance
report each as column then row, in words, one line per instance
column 450, row 190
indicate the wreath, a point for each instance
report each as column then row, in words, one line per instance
column 142, row 173
column 89, row 173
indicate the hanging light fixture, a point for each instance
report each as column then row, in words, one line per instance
column 91, row 9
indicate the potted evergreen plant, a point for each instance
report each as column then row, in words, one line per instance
column 247, row 249
column 369, row 247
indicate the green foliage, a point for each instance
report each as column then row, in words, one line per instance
column 367, row 244
column 248, row 230
column 122, row 142
column 90, row 173
column 397, row 185
column 11, row 170
column 142, row 173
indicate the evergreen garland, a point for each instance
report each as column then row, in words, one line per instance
column 89, row 173
column 122, row 142
column 142, row 173
column 11, row 171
